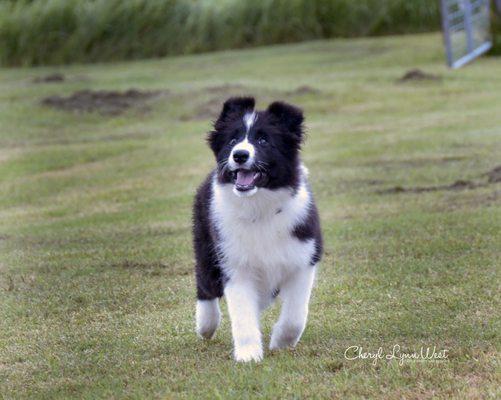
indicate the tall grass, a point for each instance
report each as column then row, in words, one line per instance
column 64, row 31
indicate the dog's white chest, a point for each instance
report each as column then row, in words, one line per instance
column 255, row 234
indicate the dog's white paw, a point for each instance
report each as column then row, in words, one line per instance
column 285, row 336
column 208, row 318
column 249, row 352
column 206, row 332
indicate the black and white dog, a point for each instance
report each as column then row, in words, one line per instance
column 256, row 227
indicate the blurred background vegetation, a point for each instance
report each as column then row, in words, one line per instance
column 63, row 31
column 496, row 29
column 34, row 32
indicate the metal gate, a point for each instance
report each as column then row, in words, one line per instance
column 466, row 27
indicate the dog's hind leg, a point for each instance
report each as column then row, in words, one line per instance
column 208, row 317
column 295, row 294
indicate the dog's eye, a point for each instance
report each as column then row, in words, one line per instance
column 262, row 141
column 233, row 142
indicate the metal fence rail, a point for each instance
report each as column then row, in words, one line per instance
column 466, row 27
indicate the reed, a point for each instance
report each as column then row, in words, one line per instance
column 67, row 31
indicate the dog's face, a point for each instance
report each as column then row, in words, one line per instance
column 257, row 149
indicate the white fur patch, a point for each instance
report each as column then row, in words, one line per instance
column 249, row 120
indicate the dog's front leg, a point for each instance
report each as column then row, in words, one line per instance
column 242, row 299
column 295, row 294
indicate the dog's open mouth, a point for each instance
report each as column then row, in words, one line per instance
column 246, row 179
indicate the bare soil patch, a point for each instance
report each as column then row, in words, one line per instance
column 457, row 185
column 416, row 74
column 414, row 162
column 208, row 110
column 493, row 176
column 102, row 101
column 51, row 78
column 303, row 90
column 225, row 89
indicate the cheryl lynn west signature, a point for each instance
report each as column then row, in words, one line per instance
column 431, row 354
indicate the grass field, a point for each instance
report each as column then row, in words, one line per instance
column 96, row 286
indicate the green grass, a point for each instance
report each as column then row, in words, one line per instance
column 70, row 31
column 96, row 285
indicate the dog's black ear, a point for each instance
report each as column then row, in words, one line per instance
column 235, row 107
column 288, row 116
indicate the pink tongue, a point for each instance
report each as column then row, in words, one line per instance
column 245, row 178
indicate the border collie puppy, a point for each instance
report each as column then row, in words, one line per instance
column 256, row 227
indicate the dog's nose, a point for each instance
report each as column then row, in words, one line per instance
column 240, row 156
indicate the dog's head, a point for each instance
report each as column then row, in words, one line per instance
column 257, row 149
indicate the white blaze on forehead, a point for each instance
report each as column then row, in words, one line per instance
column 249, row 120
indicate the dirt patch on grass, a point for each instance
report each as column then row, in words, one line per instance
column 493, row 176
column 417, row 75
column 51, row 78
column 102, row 101
column 303, row 90
column 226, row 89
column 458, row 185
column 206, row 111
column 415, row 162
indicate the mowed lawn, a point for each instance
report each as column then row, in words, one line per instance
column 96, row 285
